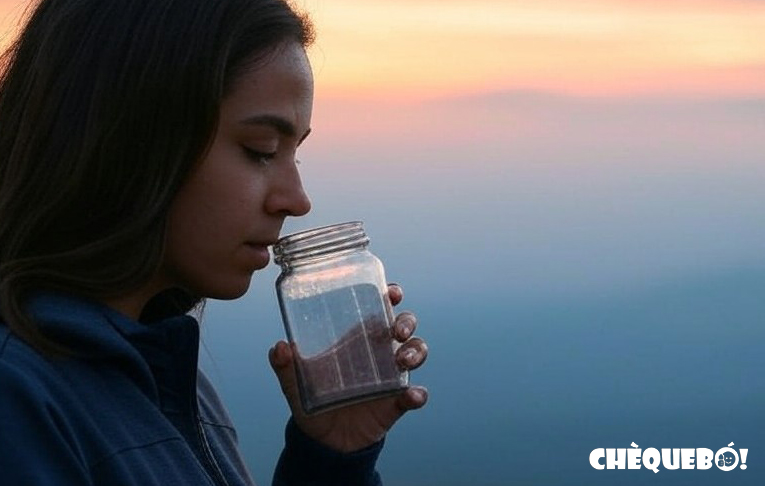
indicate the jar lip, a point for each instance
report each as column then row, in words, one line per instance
column 319, row 241
column 316, row 232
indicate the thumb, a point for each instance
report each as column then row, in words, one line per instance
column 281, row 358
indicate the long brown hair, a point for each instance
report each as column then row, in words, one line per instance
column 105, row 105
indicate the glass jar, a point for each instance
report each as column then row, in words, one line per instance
column 337, row 314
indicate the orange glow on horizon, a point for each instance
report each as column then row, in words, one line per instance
column 426, row 47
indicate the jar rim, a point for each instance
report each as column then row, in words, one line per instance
column 320, row 241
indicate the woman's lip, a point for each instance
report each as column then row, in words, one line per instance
column 261, row 243
column 258, row 246
column 260, row 253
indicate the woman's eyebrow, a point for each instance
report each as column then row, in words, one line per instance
column 282, row 125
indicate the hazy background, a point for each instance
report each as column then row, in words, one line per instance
column 571, row 194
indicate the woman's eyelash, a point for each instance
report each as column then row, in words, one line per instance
column 261, row 157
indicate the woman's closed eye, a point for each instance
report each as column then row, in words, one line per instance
column 258, row 156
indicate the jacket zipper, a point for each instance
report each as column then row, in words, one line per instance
column 216, row 473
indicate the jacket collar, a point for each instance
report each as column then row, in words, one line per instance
column 161, row 357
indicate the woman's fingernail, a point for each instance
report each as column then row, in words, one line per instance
column 406, row 330
column 410, row 357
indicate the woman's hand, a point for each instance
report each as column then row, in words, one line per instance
column 357, row 426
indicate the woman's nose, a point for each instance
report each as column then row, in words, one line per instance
column 287, row 195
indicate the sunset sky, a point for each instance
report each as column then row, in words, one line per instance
column 601, row 47
column 426, row 47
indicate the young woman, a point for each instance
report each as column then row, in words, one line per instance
column 147, row 161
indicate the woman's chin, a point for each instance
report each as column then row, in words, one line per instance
column 228, row 290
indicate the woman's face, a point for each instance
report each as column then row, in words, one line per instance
column 233, row 205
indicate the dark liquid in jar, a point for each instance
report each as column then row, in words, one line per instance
column 344, row 346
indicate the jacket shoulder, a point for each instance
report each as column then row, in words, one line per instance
column 37, row 442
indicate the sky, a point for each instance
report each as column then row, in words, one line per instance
column 497, row 77
column 590, row 47
column 424, row 48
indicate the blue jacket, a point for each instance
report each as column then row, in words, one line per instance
column 132, row 409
